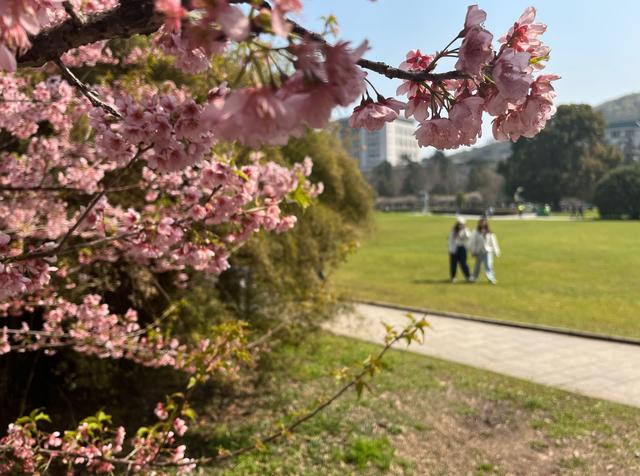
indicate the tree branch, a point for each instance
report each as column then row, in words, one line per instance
column 138, row 17
column 75, row 16
column 410, row 330
column 383, row 68
column 85, row 90
column 96, row 198
column 129, row 18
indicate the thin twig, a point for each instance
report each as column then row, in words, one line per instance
column 268, row 335
column 85, row 90
column 75, row 16
column 96, row 198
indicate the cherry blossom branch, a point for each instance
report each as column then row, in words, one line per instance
column 9, row 188
column 85, row 89
column 129, row 18
column 75, row 16
column 138, row 17
column 70, row 249
column 97, row 242
column 96, row 199
column 383, row 68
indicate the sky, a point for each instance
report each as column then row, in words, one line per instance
column 595, row 45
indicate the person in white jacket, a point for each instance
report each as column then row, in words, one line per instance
column 458, row 241
column 483, row 244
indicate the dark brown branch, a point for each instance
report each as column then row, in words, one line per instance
column 129, row 18
column 75, row 16
column 138, row 17
column 383, row 68
column 417, row 76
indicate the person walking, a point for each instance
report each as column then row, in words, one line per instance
column 483, row 245
column 458, row 241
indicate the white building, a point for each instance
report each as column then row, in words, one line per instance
column 626, row 135
column 391, row 143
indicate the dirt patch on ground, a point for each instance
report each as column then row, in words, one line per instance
column 461, row 435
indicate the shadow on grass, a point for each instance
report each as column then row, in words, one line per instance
column 439, row 281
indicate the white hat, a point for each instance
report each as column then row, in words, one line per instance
column 461, row 220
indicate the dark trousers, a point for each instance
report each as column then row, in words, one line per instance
column 459, row 258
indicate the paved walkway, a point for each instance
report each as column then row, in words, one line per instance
column 591, row 367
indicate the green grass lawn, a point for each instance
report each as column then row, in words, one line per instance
column 574, row 274
column 424, row 416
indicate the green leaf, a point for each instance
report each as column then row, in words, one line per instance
column 189, row 413
column 42, row 416
column 538, row 59
column 240, row 174
column 301, row 197
column 103, row 417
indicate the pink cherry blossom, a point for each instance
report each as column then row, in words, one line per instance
column 173, row 12
column 439, row 133
column 529, row 118
column 475, row 51
column 160, row 411
column 372, row 115
column 280, row 8
column 416, row 61
column 466, row 114
column 475, row 17
column 418, row 106
column 524, row 35
column 495, row 103
column 180, row 426
column 512, row 75
column 345, row 78
column 233, row 21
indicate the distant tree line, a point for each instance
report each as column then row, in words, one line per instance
column 570, row 158
column 438, row 175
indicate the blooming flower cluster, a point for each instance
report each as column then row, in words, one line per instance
column 500, row 83
column 371, row 115
column 95, row 446
column 90, row 328
column 185, row 193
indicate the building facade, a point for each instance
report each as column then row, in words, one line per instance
column 626, row 135
column 391, row 143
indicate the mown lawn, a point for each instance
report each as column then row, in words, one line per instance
column 574, row 274
column 424, row 417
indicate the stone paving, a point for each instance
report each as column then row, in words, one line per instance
column 596, row 368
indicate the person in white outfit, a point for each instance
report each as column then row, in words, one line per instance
column 483, row 245
column 458, row 241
